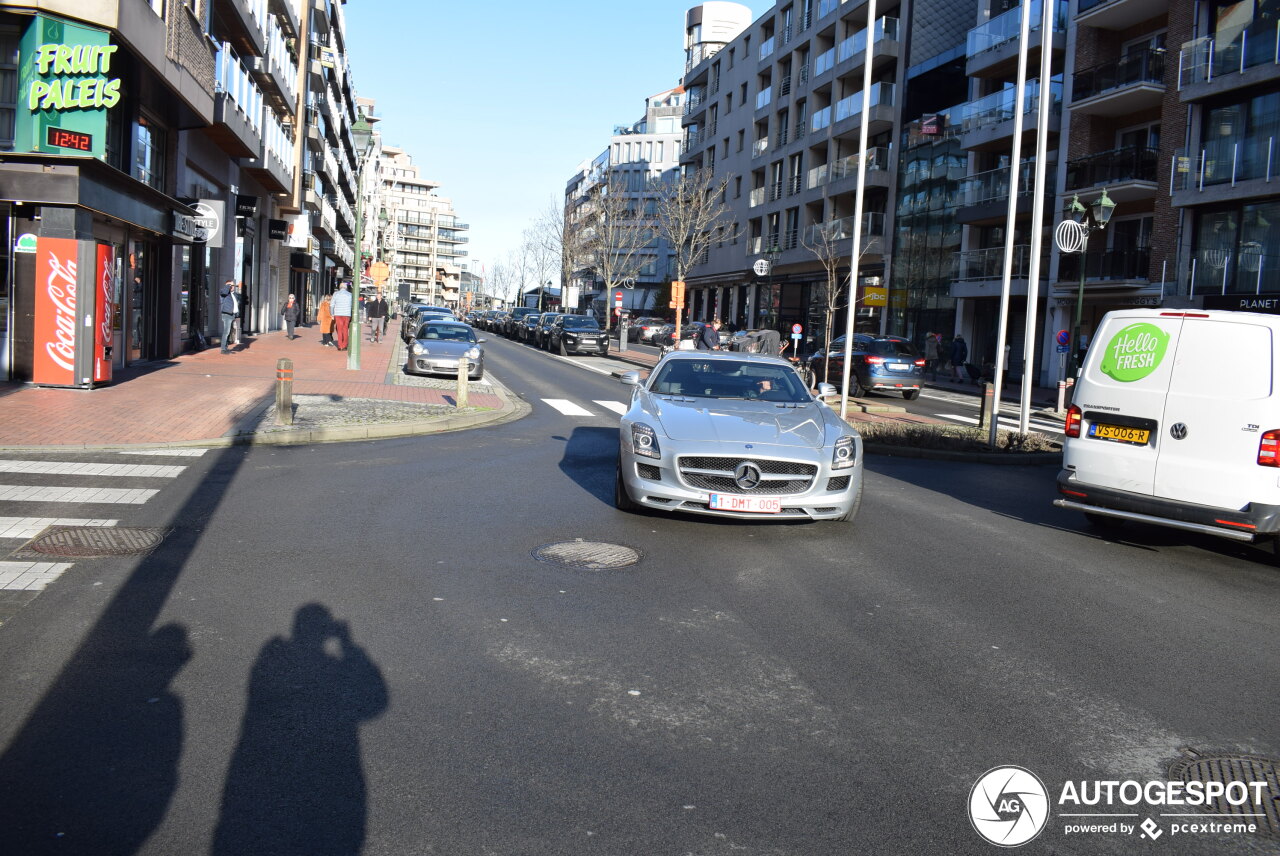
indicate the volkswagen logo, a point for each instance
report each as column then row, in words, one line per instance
column 747, row 476
column 1178, row 431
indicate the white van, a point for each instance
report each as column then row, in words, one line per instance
column 1176, row 422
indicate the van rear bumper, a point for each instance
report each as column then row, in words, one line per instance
column 1252, row 523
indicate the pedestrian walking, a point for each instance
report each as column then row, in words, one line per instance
column 229, row 306
column 376, row 310
column 341, row 306
column 290, row 311
column 709, row 336
column 932, row 353
column 237, row 323
column 959, row 356
column 325, row 316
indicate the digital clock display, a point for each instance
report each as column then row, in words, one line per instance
column 70, row 139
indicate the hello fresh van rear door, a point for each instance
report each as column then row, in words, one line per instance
column 1220, row 401
column 1121, row 395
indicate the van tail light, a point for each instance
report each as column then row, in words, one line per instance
column 873, row 361
column 1269, row 449
column 1074, row 417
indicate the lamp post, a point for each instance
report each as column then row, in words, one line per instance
column 770, row 315
column 1072, row 237
column 362, row 134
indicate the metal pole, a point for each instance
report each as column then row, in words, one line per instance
column 353, row 333
column 855, row 255
column 1075, row 331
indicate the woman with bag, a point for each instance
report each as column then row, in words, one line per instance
column 324, row 315
column 290, row 311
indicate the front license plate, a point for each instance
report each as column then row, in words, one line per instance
column 754, row 504
column 1119, row 433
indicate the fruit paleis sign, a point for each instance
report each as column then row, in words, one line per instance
column 65, row 88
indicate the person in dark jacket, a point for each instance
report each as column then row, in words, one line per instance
column 376, row 311
column 229, row 306
column 709, row 336
column 959, row 356
column 290, row 311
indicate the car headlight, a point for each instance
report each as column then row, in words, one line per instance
column 845, row 454
column 418, row 350
column 644, row 441
column 473, row 354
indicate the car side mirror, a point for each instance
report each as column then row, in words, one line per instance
column 826, row 389
column 629, row 378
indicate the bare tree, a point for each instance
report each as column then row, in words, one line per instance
column 541, row 258
column 500, row 280
column 691, row 214
column 612, row 231
column 558, row 239
column 830, row 243
column 519, row 267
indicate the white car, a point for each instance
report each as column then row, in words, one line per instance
column 735, row 435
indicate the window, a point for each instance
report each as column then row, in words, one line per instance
column 149, row 146
column 657, row 151
column 8, row 87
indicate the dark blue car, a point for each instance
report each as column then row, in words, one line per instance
column 880, row 364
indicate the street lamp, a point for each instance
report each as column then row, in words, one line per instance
column 769, row 313
column 1072, row 237
column 362, row 135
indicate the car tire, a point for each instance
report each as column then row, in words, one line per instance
column 859, row 391
column 477, row 376
column 911, row 394
column 621, row 499
column 849, row 515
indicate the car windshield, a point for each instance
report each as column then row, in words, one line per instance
column 446, row 332
column 580, row 322
column 729, row 379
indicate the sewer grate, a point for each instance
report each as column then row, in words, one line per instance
column 91, row 542
column 1197, row 766
column 587, row 555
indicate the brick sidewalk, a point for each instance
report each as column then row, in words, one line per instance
column 207, row 395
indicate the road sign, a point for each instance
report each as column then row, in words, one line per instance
column 796, row 329
column 761, row 267
column 797, row 336
column 1062, row 349
column 617, row 298
column 1064, row 337
column 379, row 271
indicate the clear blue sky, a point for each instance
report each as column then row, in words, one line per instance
column 501, row 100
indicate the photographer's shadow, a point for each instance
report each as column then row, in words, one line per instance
column 295, row 784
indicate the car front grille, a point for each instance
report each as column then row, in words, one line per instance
column 717, row 474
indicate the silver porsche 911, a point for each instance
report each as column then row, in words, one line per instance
column 436, row 347
column 735, row 435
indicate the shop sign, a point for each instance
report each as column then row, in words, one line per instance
column 55, row 312
column 186, row 226
column 25, row 244
column 1268, row 303
column 875, row 296
column 65, row 88
column 210, row 214
column 246, row 206
column 277, row 230
column 299, row 230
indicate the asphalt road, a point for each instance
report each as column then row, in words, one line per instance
column 352, row 649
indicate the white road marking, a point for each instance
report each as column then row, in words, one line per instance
column 68, row 468
column 30, row 576
column 105, row 495
column 30, row 527
column 616, row 406
column 167, row 453
column 568, row 408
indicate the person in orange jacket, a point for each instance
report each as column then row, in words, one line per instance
column 325, row 316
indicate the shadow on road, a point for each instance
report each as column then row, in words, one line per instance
column 295, row 784
column 589, row 459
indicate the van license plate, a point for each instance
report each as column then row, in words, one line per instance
column 1121, row 434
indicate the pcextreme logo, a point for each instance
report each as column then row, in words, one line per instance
column 1009, row 806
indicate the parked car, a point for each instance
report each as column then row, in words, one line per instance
column 879, row 363
column 735, row 435
column 545, row 321
column 511, row 326
column 642, row 329
column 576, row 334
column 528, row 324
column 437, row 345
column 411, row 321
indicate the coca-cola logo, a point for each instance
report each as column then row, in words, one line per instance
column 61, row 290
column 107, row 294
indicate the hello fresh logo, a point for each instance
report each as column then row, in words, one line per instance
column 1134, row 352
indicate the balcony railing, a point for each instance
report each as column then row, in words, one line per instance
column 694, row 101
column 802, row 74
column 795, row 184
column 877, row 160
column 1113, row 167
column 998, row 107
column 780, row 138
column 1006, row 28
column 989, row 263
column 1203, row 59
column 1144, row 66
column 763, row 97
column 993, row 185
column 1225, row 162
column 885, row 28
column 820, row 120
column 756, row 197
column 766, row 47
column 775, row 191
column 842, row 229
column 825, row 62
column 1124, row 265
column 692, row 138
column 1250, row 269
column 759, row 147
column 851, row 105
column 784, row 86
column 826, row 6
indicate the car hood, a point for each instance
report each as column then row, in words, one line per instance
column 755, row 422
column 438, row 348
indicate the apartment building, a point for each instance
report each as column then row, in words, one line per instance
column 639, row 154
column 421, row 232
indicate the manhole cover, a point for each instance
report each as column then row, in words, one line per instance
column 1195, row 767
column 587, row 555
column 91, row 542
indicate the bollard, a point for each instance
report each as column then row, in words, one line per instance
column 463, row 371
column 988, row 404
column 284, row 391
column 1062, row 395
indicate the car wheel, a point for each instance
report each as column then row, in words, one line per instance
column 859, row 391
column 911, row 394
column 621, row 499
column 478, row 375
column 848, row 516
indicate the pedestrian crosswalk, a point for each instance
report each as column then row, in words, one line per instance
column 93, row 484
column 571, row 408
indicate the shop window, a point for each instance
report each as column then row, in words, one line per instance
column 149, row 145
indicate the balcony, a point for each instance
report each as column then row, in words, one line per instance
column 884, row 42
column 759, row 147
column 694, row 102
column 767, row 47
column 1121, row 87
column 1104, row 268
column 287, row 15
column 847, row 168
column 775, row 190
column 980, row 273
column 988, row 122
column 692, row 139
column 849, row 107
column 1209, row 66
column 270, row 170
column 1241, row 271
column 764, row 97
column 1118, row 14
column 239, row 25
column 231, row 128
column 1128, row 174
column 1228, row 170
column 756, row 197
column 821, row 119
column 984, row 197
column 991, row 50
column 841, row 230
column 824, row 63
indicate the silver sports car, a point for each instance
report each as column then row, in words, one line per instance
column 735, row 435
column 437, row 345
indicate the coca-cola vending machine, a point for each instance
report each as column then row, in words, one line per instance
column 73, row 313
